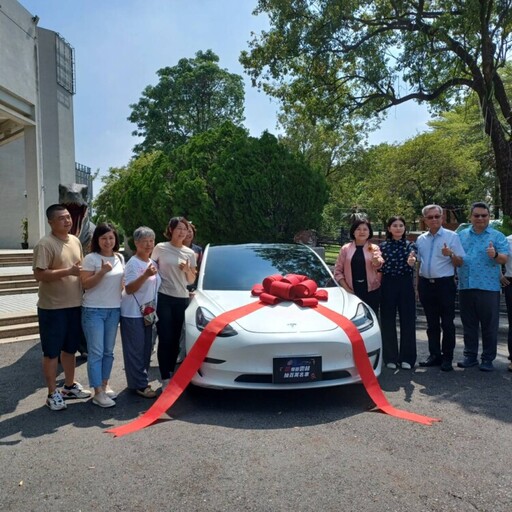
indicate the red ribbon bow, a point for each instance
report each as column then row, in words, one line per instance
column 274, row 289
column 295, row 287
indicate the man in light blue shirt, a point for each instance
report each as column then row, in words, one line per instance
column 439, row 252
column 479, row 287
column 506, row 282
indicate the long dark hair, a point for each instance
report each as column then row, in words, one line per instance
column 390, row 221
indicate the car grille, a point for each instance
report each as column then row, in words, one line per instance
column 266, row 378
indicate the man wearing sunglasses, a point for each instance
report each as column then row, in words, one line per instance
column 479, row 287
column 439, row 252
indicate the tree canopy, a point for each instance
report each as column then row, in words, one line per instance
column 137, row 194
column 238, row 188
column 191, row 97
column 358, row 58
column 235, row 188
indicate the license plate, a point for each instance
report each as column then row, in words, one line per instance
column 289, row 370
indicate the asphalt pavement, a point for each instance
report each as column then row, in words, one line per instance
column 260, row 451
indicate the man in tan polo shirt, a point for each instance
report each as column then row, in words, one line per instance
column 57, row 269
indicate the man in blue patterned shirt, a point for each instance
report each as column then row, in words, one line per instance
column 479, row 287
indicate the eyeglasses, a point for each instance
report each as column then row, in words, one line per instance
column 430, row 217
column 480, row 215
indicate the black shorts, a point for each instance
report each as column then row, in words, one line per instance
column 59, row 330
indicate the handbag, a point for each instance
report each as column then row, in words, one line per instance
column 148, row 310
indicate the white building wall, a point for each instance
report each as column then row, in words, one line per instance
column 17, row 51
column 18, row 97
column 33, row 165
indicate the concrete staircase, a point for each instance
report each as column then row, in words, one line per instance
column 18, row 297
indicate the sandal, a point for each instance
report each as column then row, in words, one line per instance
column 147, row 392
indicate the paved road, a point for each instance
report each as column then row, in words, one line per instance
column 283, row 451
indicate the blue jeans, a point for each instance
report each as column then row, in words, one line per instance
column 100, row 329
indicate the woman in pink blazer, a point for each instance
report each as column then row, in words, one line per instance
column 357, row 265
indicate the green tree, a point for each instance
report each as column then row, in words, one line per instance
column 238, row 188
column 191, row 97
column 349, row 58
column 324, row 145
column 138, row 194
column 433, row 167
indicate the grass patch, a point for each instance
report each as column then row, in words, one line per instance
column 331, row 253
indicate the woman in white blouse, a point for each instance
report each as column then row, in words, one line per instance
column 102, row 279
column 177, row 268
column 141, row 287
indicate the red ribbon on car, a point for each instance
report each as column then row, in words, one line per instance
column 272, row 291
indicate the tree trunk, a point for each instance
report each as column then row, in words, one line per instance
column 503, row 155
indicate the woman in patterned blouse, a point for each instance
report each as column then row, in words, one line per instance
column 397, row 293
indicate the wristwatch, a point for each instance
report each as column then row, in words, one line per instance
column 496, row 254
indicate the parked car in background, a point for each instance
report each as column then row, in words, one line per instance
column 277, row 347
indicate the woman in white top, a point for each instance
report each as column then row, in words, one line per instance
column 177, row 268
column 102, row 279
column 141, row 286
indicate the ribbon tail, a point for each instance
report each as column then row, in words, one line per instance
column 365, row 369
column 186, row 371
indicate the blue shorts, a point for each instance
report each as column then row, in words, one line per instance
column 59, row 330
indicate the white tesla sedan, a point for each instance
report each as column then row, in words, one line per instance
column 282, row 346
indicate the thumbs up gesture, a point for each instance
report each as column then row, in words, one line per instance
column 446, row 250
column 491, row 251
column 106, row 266
column 411, row 259
column 375, row 257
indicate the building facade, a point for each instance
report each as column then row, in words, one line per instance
column 37, row 147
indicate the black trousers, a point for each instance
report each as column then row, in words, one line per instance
column 397, row 294
column 438, row 301
column 508, row 301
column 480, row 310
column 171, row 315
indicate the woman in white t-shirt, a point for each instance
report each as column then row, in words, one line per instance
column 141, row 286
column 102, row 279
column 177, row 268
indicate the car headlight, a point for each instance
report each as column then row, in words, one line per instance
column 203, row 317
column 363, row 319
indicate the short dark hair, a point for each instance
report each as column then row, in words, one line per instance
column 54, row 208
column 356, row 224
column 171, row 226
column 390, row 221
column 479, row 204
column 100, row 230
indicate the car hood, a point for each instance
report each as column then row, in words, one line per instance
column 285, row 317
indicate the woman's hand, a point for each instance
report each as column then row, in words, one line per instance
column 376, row 257
column 150, row 270
column 411, row 260
column 106, row 266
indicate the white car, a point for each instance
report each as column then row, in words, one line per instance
column 277, row 347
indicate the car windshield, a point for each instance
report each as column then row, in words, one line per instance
column 240, row 267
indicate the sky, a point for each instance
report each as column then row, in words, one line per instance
column 120, row 44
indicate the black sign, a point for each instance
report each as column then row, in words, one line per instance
column 289, row 370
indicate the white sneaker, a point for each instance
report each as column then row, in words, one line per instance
column 165, row 383
column 110, row 392
column 55, row 401
column 406, row 366
column 103, row 400
column 75, row 391
column 391, row 366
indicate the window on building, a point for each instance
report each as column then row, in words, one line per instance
column 65, row 55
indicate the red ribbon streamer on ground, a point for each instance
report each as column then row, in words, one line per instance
column 199, row 351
